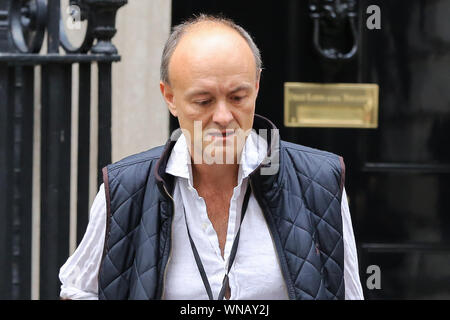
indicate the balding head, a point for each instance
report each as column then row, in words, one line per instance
column 196, row 24
column 214, row 76
column 210, row 51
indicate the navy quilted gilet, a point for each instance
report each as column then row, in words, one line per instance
column 301, row 202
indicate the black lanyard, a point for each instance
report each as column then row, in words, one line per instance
column 201, row 269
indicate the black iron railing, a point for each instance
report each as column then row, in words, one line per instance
column 23, row 25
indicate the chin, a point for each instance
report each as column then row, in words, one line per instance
column 220, row 155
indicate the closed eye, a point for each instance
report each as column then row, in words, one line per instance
column 238, row 98
column 203, row 102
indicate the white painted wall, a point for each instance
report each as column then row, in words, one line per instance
column 140, row 118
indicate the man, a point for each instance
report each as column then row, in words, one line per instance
column 220, row 211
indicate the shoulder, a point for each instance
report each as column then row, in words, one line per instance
column 294, row 148
column 313, row 163
column 128, row 177
column 132, row 171
column 147, row 156
column 301, row 153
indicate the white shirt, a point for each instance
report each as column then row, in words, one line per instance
column 255, row 274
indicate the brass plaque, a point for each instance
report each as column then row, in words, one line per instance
column 332, row 105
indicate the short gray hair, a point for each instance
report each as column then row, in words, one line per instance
column 179, row 30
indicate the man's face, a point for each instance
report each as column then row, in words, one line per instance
column 213, row 87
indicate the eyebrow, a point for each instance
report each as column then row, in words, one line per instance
column 200, row 92
column 241, row 87
column 197, row 93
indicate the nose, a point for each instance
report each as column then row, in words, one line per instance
column 222, row 115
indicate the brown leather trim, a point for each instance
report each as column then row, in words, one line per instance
column 108, row 216
column 341, row 160
column 162, row 161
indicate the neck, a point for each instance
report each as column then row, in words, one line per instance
column 220, row 176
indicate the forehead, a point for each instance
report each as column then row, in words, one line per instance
column 211, row 52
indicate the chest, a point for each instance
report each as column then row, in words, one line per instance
column 255, row 274
column 217, row 209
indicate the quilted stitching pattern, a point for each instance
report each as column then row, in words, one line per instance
column 308, row 217
column 134, row 229
column 304, row 206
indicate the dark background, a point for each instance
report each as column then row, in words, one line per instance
column 397, row 178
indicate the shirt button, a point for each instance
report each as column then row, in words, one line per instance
column 204, row 225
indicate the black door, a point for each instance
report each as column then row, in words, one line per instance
column 397, row 174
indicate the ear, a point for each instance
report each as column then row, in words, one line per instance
column 258, row 78
column 167, row 93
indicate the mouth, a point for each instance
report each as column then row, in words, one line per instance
column 224, row 134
